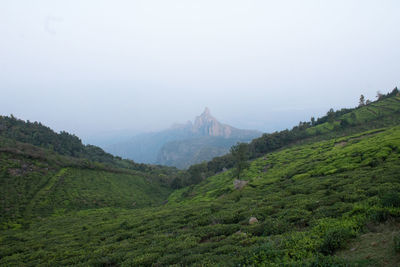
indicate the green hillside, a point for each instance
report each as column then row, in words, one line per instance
column 384, row 112
column 14, row 130
column 326, row 193
column 35, row 182
column 309, row 200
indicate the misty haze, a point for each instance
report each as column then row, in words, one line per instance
column 199, row 133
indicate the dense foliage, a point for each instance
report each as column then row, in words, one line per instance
column 39, row 135
column 66, row 144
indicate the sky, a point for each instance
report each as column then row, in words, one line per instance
column 98, row 67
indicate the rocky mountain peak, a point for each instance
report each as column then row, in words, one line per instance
column 205, row 116
column 207, row 125
column 206, row 112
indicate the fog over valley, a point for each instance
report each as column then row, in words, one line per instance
column 112, row 69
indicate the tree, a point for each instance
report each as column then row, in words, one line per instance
column 197, row 173
column 240, row 155
column 330, row 115
column 177, row 183
column 312, row 121
column 395, row 92
column 379, row 95
column 362, row 101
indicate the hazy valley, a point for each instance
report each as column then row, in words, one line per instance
column 183, row 145
column 325, row 193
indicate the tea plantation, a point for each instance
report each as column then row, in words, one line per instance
column 332, row 201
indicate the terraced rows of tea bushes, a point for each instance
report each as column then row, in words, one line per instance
column 38, row 183
column 310, row 201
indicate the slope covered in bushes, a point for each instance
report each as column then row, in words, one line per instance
column 37, row 182
column 312, row 196
column 310, row 200
column 383, row 112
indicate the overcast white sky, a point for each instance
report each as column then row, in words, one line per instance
column 94, row 66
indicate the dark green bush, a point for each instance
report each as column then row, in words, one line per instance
column 263, row 253
column 256, row 229
column 390, row 199
column 333, row 239
column 325, row 261
column 380, row 215
column 125, row 225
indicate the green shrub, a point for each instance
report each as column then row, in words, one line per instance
column 379, row 215
column 256, row 229
column 334, row 238
column 125, row 225
column 263, row 253
column 325, row 261
column 146, row 259
column 390, row 199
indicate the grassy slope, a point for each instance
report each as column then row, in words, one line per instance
column 37, row 183
column 375, row 247
column 310, row 200
column 297, row 163
column 377, row 114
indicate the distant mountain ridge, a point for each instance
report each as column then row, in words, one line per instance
column 180, row 145
column 207, row 125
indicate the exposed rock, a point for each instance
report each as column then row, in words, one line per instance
column 340, row 144
column 240, row 233
column 239, row 184
column 208, row 125
column 185, row 144
column 253, row 220
column 15, row 172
